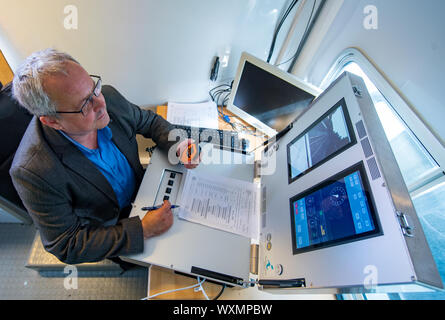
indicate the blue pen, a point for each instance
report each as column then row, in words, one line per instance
column 157, row 207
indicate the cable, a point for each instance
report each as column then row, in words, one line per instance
column 223, row 92
column 220, row 86
column 304, row 35
column 199, row 284
column 216, row 94
column 272, row 46
column 277, row 30
column 221, row 292
column 203, row 291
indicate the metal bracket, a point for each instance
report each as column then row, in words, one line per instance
column 407, row 229
column 257, row 169
column 254, row 259
column 357, row 91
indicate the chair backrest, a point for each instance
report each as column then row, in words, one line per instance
column 14, row 120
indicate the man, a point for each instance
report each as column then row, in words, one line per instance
column 77, row 168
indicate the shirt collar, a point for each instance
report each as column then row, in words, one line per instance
column 104, row 133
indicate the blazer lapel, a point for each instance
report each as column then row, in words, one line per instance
column 121, row 140
column 74, row 159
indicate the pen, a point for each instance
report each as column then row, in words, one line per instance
column 157, row 207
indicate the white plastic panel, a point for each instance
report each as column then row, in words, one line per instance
column 186, row 244
column 381, row 260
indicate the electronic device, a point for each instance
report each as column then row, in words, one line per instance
column 334, row 212
column 223, row 139
column 267, row 97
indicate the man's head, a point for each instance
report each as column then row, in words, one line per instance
column 54, row 87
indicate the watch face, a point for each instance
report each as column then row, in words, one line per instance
column 337, row 196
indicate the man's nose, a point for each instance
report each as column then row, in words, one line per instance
column 98, row 102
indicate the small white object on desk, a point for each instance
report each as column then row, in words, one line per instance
column 202, row 115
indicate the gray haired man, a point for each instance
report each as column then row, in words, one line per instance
column 77, row 167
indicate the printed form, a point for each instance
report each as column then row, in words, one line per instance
column 203, row 115
column 223, row 203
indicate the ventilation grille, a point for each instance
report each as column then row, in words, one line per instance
column 373, row 169
column 360, row 129
column 367, row 148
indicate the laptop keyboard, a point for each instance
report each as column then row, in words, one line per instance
column 223, row 139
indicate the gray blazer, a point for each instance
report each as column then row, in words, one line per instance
column 70, row 201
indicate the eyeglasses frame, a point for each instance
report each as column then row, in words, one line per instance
column 98, row 83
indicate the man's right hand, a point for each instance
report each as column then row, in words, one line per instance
column 157, row 221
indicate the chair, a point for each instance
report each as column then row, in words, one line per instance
column 14, row 120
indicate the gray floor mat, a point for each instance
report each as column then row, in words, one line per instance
column 19, row 282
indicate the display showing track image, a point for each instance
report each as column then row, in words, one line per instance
column 330, row 135
column 327, row 137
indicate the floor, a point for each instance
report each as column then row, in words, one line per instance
column 19, row 282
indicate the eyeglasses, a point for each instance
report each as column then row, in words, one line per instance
column 88, row 105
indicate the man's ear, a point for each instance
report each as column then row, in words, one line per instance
column 51, row 121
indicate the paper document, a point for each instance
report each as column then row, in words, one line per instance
column 203, row 115
column 221, row 203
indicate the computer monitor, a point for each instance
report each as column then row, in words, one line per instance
column 330, row 135
column 337, row 211
column 267, row 97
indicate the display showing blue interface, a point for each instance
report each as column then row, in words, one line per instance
column 337, row 211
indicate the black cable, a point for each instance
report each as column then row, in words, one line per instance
column 212, row 94
column 216, row 94
column 277, row 30
column 221, row 292
column 304, row 35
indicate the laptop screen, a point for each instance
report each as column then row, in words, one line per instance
column 268, row 98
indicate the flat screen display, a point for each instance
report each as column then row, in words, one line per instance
column 270, row 99
column 337, row 211
column 327, row 137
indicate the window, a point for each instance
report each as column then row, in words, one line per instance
column 420, row 164
column 422, row 170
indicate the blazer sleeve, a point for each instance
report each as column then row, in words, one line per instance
column 61, row 230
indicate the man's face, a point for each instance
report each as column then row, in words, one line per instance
column 70, row 92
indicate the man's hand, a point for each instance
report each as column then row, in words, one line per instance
column 157, row 221
column 182, row 147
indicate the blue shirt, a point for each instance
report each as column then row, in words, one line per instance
column 112, row 163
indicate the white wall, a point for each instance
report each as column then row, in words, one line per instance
column 156, row 51
column 153, row 51
column 408, row 46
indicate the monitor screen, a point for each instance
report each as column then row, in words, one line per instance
column 337, row 211
column 268, row 98
column 327, row 137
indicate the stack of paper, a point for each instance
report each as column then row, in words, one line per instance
column 222, row 203
column 201, row 115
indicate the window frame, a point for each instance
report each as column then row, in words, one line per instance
column 415, row 123
column 407, row 114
